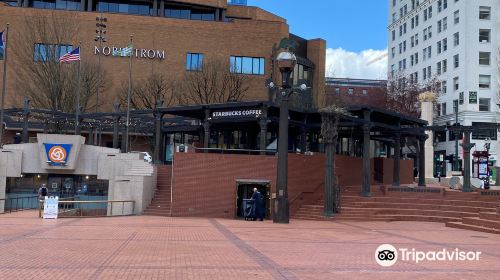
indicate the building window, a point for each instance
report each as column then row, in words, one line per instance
column 440, row 136
column 365, row 92
column 456, row 61
column 484, row 58
column 456, row 17
column 444, row 88
column 484, row 104
column 337, row 90
column 57, row 4
column 456, row 84
column 484, row 13
column 247, row 65
column 136, row 8
column 484, row 81
column 455, row 106
column 237, row 2
column 49, row 52
column 194, row 61
column 456, row 39
column 483, row 134
column 443, row 109
column 484, row 35
column 350, row 91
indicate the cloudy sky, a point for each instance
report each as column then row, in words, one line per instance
column 355, row 31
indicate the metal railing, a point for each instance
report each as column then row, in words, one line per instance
column 92, row 208
column 14, row 204
column 235, row 151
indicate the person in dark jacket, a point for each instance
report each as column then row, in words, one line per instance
column 258, row 206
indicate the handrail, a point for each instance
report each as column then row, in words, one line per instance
column 17, row 208
column 222, row 150
column 68, row 207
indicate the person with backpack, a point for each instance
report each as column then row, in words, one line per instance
column 43, row 192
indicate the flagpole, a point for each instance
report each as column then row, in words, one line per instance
column 128, row 95
column 77, row 111
column 4, row 88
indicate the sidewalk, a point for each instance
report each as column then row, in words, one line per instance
column 145, row 247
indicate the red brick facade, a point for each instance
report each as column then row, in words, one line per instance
column 204, row 185
column 356, row 92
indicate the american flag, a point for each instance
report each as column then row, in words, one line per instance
column 73, row 55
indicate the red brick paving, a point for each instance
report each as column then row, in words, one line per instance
column 146, row 247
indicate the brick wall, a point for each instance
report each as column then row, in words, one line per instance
column 204, row 185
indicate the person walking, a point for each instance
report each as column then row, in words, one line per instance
column 258, row 205
column 42, row 192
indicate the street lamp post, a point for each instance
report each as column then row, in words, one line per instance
column 100, row 37
column 286, row 62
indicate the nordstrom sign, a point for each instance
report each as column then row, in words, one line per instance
column 138, row 53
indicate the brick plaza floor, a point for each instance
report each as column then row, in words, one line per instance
column 145, row 247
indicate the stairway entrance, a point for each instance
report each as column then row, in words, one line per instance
column 161, row 204
column 244, row 190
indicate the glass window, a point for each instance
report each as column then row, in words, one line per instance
column 485, row 13
column 194, row 61
column 484, row 104
column 484, row 58
column 256, row 67
column 47, row 52
column 484, row 35
column 484, row 81
column 483, row 133
column 247, row 65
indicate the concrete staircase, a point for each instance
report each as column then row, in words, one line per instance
column 456, row 209
column 161, row 204
column 139, row 168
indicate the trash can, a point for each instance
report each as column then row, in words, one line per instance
column 247, row 208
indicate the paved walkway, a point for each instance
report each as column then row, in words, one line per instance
column 144, row 247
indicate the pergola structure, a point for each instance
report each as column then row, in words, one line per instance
column 365, row 123
column 256, row 118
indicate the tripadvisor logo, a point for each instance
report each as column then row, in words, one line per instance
column 387, row 255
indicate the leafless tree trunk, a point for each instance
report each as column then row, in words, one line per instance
column 147, row 92
column 46, row 82
column 213, row 83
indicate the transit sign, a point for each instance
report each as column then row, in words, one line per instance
column 50, row 207
column 57, row 154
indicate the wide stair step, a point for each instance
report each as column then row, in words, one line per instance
column 461, row 225
column 468, row 210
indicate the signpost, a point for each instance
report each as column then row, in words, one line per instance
column 50, row 207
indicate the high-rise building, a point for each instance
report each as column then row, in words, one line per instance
column 454, row 41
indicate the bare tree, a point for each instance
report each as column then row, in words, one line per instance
column 215, row 82
column 330, row 118
column 403, row 93
column 40, row 40
column 147, row 92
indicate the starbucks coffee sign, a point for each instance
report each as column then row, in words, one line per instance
column 249, row 113
column 124, row 52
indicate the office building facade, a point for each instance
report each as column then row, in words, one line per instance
column 454, row 41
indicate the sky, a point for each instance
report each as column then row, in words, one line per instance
column 355, row 32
